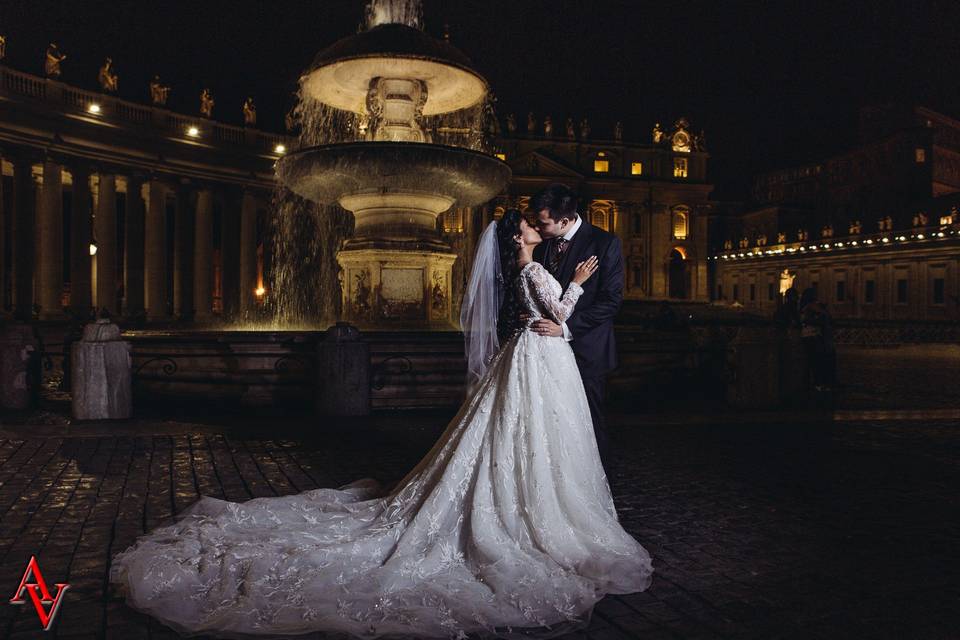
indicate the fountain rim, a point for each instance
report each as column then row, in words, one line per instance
column 446, row 53
column 395, row 153
column 355, row 105
column 391, row 144
column 390, row 42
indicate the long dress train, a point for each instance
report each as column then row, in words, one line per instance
column 506, row 527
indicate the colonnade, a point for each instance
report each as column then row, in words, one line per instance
column 138, row 270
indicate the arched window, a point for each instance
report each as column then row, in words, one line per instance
column 681, row 223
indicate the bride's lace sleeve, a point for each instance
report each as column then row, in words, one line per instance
column 544, row 295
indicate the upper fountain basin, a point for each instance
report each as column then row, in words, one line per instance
column 340, row 74
column 327, row 173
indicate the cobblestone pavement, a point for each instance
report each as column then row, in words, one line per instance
column 758, row 528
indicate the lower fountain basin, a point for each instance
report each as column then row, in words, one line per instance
column 443, row 176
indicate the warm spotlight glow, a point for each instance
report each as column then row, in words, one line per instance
column 193, row 132
column 280, row 149
column 502, row 156
column 259, row 291
column 93, row 107
column 93, row 248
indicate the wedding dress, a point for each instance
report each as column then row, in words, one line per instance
column 506, row 528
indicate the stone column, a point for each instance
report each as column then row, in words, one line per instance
column 133, row 255
column 183, row 257
column 155, row 251
column 106, row 234
column 203, row 257
column 23, row 239
column 50, row 254
column 248, row 253
column 230, row 255
column 81, row 297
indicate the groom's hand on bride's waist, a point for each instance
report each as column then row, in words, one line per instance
column 545, row 327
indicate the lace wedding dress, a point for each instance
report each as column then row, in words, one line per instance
column 506, row 528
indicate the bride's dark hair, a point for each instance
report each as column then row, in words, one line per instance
column 508, row 228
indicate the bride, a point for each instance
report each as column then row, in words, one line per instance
column 505, row 529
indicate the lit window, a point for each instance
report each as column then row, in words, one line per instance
column 679, row 167
column 680, row 225
column 601, row 166
column 636, row 168
column 920, row 155
column 502, row 156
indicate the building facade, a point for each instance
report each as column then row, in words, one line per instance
column 160, row 216
column 124, row 207
column 653, row 196
column 874, row 229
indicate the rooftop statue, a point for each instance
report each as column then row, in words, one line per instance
column 51, row 65
column 107, row 77
column 206, row 103
column 584, row 129
column 700, row 141
column 249, row 112
column 3, row 47
column 618, row 131
column 531, row 123
column 570, row 131
column 657, row 134
column 548, row 126
column 511, row 124
column 158, row 91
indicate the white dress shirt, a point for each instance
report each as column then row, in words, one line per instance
column 568, row 236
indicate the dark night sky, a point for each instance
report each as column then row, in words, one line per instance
column 771, row 83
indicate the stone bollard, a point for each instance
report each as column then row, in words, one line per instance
column 343, row 373
column 753, row 361
column 101, row 365
column 793, row 369
column 19, row 367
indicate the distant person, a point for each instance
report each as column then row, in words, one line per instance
column 816, row 332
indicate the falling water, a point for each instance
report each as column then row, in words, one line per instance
column 408, row 12
column 304, row 289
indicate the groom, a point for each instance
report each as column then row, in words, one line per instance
column 568, row 240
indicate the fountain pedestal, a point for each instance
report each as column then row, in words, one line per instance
column 401, row 287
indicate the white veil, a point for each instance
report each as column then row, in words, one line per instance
column 481, row 306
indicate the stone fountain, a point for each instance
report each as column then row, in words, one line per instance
column 394, row 129
column 412, row 148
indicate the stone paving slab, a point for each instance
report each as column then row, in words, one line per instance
column 762, row 529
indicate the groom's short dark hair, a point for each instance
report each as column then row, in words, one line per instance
column 558, row 199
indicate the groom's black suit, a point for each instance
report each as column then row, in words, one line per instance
column 591, row 323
